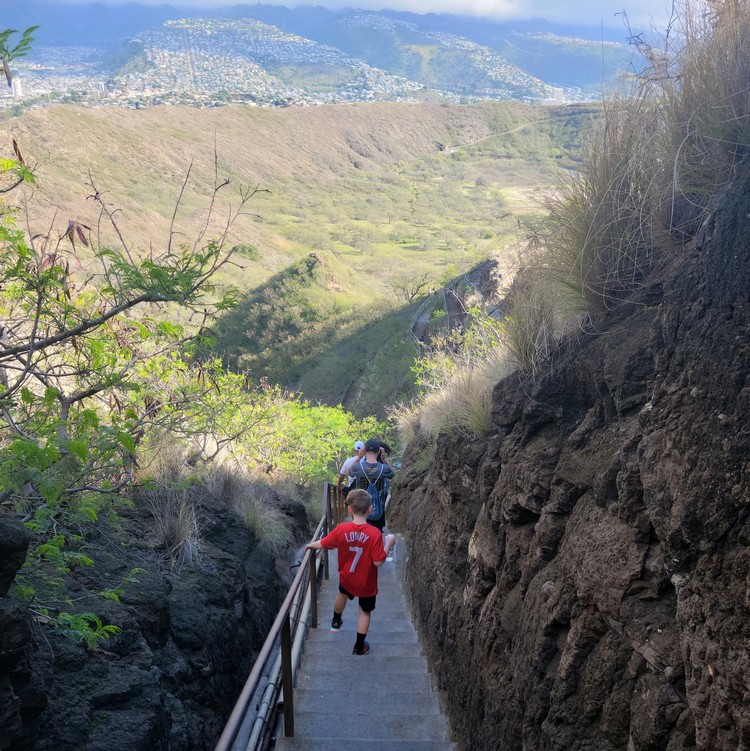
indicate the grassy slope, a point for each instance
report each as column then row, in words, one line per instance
column 377, row 191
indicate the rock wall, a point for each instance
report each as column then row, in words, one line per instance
column 582, row 573
column 169, row 680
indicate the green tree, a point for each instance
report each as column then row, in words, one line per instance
column 8, row 53
column 73, row 348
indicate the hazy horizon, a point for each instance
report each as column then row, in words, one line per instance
column 583, row 12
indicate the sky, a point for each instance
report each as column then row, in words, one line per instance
column 584, row 12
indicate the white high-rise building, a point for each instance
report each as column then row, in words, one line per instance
column 16, row 87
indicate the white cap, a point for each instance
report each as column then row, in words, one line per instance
column 359, row 445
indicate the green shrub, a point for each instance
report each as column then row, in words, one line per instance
column 84, row 627
column 250, row 252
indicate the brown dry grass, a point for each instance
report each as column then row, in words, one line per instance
column 140, row 157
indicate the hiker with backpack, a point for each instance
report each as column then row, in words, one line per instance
column 371, row 473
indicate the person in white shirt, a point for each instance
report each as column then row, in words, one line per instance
column 343, row 472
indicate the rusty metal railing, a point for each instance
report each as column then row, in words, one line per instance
column 270, row 686
column 337, row 509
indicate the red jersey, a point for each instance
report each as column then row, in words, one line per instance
column 360, row 547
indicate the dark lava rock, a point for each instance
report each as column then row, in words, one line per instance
column 169, row 679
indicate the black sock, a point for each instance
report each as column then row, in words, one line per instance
column 337, row 616
column 360, row 643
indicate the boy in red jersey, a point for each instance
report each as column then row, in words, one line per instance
column 360, row 552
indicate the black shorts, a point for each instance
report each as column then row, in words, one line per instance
column 366, row 603
column 378, row 523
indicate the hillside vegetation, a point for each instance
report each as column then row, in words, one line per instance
column 380, row 192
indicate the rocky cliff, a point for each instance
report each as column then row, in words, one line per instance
column 169, row 679
column 582, row 572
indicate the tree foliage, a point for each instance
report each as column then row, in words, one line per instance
column 95, row 371
column 8, row 53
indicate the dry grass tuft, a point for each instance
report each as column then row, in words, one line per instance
column 534, row 320
column 176, row 523
column 406, row 419
column 463, row 404
column 600, row 237
column 255, row 506
column 174, row 491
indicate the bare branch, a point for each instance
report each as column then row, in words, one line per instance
column 176, row 208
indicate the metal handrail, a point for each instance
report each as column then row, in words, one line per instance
column 290, row 637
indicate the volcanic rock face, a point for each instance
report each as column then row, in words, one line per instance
column 169, row 680
column 582, row 573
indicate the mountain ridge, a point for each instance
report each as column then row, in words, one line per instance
column 275, row 55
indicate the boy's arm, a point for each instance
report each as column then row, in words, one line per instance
column 328, row 542
column 390, row 543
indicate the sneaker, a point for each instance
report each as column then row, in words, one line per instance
column 336, row 623
column 365, row 649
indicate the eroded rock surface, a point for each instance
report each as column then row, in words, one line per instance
column 582, row 573
column 169, row 680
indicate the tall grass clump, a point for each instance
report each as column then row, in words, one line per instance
column 173, row 490
column 601, row 233
column 533, row 321
column 176, row 523
column 461, row 406
column 255, row 505
column 707, row 94
column 661, row 150
column 172, row 498
column 255, row 501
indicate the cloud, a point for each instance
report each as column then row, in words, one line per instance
column 592, row 13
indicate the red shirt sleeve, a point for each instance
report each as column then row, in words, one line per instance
column 331, row 540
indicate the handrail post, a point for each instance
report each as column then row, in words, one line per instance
column 286, row 676
column 327, row 527
column 313, row 592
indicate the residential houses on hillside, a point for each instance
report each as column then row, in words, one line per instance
column 209, row 62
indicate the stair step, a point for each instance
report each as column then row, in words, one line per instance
column 334, row 648
column 378, row 660
column 374, row 722
column 381, row 662
column 329, row 744
column 398, row 681
column 322, row 700
column 388, row 609
column 382, row 638
column 382, row 632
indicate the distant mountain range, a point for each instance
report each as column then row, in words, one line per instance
column 271, row 54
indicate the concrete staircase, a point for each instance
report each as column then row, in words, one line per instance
column 382, row 700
